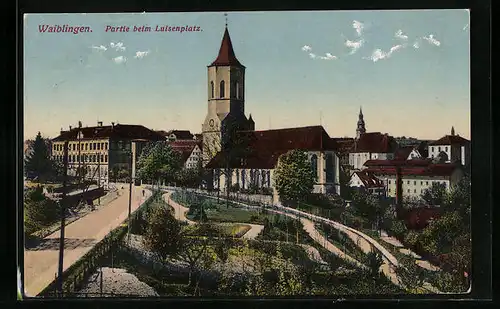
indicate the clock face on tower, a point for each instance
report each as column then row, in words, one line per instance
column 211, row 123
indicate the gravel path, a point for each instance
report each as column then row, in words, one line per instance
column 41, row 262
column 116, row 281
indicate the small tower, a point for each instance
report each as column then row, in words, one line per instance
column 251, row 123
column 360, row 129
column 452, row 131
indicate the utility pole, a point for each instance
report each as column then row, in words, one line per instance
column 99, row 177
column 130, row 195
column 63, row 214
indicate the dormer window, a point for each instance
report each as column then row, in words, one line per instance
column 221, row 90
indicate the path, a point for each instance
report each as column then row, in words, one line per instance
column 41, row 261
column 254, row 230
column 180, row 211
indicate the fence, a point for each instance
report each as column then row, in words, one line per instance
column 76, row 274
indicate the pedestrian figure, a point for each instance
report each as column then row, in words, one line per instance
column 143, row 192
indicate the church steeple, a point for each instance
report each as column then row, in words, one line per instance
column 226, row 56
column 360, row 129
column 452, row 131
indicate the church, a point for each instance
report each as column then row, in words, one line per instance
column 241, row 158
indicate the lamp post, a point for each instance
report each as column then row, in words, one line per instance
column 63, row 213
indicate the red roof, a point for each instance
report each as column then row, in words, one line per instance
column 450, row 140
column 184, row 147
column 226, row 54
column 118, row 131
column 369, row 180
column 345, row 144
column 446, row 169
column 375, row 142
column 265, row 147
column 397, row 162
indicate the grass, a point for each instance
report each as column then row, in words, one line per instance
column 220, row 230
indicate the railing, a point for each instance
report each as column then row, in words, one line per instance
column 77, row 273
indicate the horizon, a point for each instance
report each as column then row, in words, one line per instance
column 394, row 64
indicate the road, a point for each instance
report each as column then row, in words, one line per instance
column 41, row 260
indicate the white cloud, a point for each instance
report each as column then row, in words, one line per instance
column 354, row 45
column 379, row 54
column 399, row 34
column 117, row 46
column 141, row 54
column 120, row 59
column 328, row 56
column 306, row 48
column 313, row 56
column 465, row 27
column 358, row 26
column 432, row 40
column 100, row 47
column 416, row 45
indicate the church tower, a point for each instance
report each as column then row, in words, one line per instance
column 452, row 131
column 226, row 99
column 360, row 129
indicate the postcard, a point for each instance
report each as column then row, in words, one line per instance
column 236, row 154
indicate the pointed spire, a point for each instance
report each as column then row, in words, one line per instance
column 452, row 130
column 360, row 111
column 226, row 54
column 250, row 118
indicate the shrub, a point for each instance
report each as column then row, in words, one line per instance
column 398, row 228
column 412, row 238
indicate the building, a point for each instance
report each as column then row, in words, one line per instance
column 453, row 148
column 226, row 100
column 360, row 128
column 174, row 135
column 190, row 150
column 256, row 164
column 368, row 182
column 416, row 175
column 101, row 150
column 415, row 152
column 344, row 146
column 371, row 146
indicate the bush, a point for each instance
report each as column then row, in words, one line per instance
column 412, row 238
column 398, row 228
column 39, row 211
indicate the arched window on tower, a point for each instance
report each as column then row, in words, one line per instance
column 212, row 89
column 222, row 88
column 237, row 90
column 314, row 165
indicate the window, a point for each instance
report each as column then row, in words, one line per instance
column 414, row 190
column 426, row 183
column 408, row 190
column 439, row 149
column 389, row 181
column 94, row 147
column 221, row 90
column 86, row 146
column 102, row 146
column 408, row 182
column 446, row 148
column 106, row 146
column 329, row 168
column 74, row 147
column 237, row 89
column 243, row 175
column 98, row 146
column 94, row 158
column 389, row 189
column 102, row 158
column 414, row 183
column 77, row 158
column 421, row 183
column 212, row 89
column 314, row 165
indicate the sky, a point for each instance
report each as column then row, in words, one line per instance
column 408, row 70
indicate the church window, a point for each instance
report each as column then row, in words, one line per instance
column 212, row 88
column 237, row 89
column 314, row 165
column 329, row 168
column 222, row 88
column 243, row 177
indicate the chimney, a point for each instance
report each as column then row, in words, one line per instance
column 399, row 191
column 99, row 123
column 70, row 128
column 112, row 125
column 62, row 131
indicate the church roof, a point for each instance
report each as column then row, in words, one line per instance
column 265, row 147
column 226, row 54
column 375, row 142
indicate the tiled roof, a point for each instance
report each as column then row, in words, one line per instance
column 369, row 180
column 180, row 134
column 401, row 162
column 264, row 147
column 450, row 140
column 375, row 142
column 446, row 169
column 226, row 54
column 118, row 131
column 184, row 147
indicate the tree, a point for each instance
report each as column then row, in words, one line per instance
column 38, row 163
column 374, row 262
column 163, row 233
column 294, row 178
column 345, row 183
column 435, row 195
column 157, row 162
column 39, row 211
column 367, row 206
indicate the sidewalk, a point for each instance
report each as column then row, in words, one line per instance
column 41, row 261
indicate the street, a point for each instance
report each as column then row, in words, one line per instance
column 41, row 260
